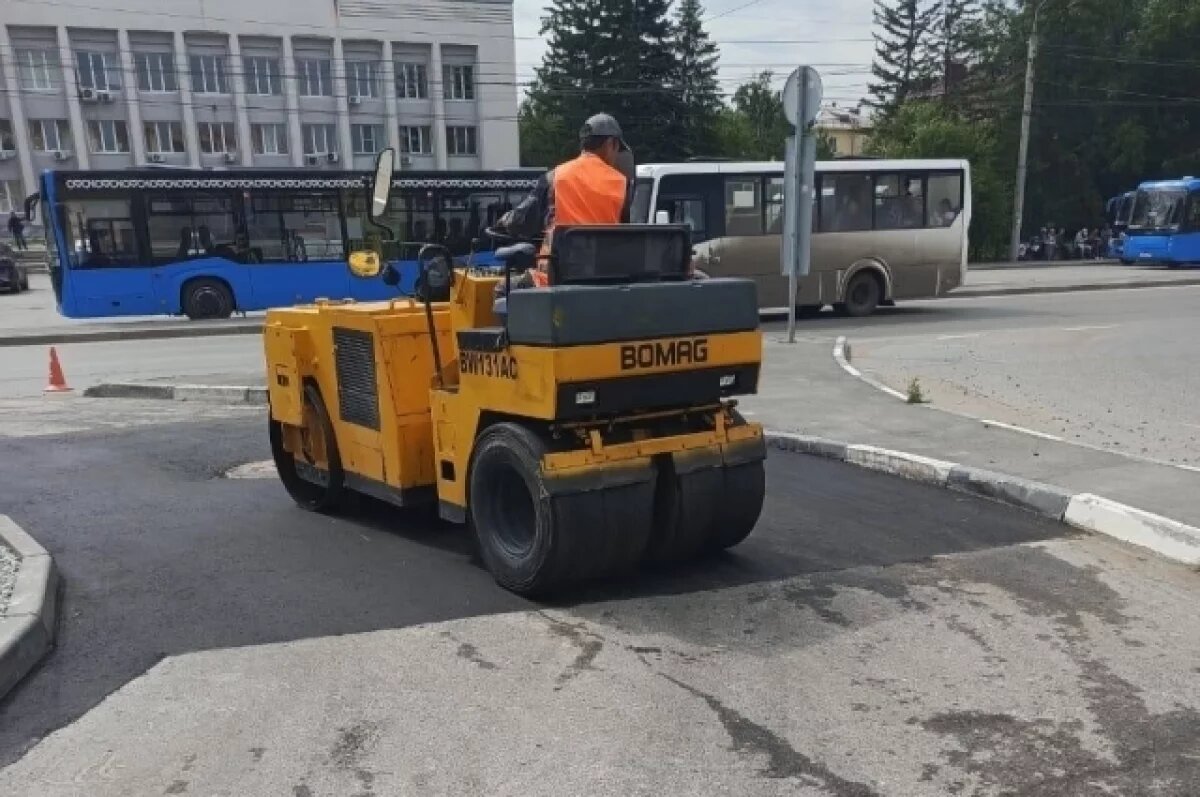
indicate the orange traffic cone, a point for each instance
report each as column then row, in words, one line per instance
column 58, row 383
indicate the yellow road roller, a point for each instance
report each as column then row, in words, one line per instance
column 579, row 429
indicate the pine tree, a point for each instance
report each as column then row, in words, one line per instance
column 696, row 59
column 610, row 56
column 949, row 45
column 900, row 50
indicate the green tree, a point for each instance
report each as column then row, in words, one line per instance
column 612, row 56
column 949, row 52
column 542, row 136
column 696, row 58
column 901, row 41
column 754, row 128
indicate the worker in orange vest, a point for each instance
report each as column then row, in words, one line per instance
column 593, row 188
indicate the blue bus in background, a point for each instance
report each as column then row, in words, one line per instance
column 206, row 244
column 1164, row 227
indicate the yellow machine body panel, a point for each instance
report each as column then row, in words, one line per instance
column 424, row 434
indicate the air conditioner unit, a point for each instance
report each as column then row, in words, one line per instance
column 231, row 157
column 61, row 155
column 87, row 95
column 312, row 160
column 156, row 157
column 7, row 154
column 332, row 157
column 353, row 100
column 104, row 96
column 406, row 160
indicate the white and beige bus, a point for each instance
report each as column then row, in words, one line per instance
column 884, row 230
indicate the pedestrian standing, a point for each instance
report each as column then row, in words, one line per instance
column 17, row 228
column 1051, row 243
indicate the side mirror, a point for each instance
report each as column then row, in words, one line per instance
column 662, row 217
column 364, row 264
column 381, row 188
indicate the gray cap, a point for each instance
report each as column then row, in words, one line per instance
column 602, row 124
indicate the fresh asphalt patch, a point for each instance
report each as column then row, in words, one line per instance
column 161, row 555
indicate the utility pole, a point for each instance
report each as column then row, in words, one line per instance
column 1023, row 154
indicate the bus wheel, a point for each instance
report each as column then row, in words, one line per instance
column 207, row 298
column 862, row 296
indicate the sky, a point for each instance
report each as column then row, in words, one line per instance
column 753, row 35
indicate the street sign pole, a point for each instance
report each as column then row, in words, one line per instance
column 801, row 103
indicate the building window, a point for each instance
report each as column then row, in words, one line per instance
column 319, row 139
column 99, row 71
column 459, row 82
column 8, row 143
column 360, row 79
column 412, row 83
column 368, row 139
column 164, row 137
column 217, row 137
column 208, row 74
column 155, row 72
column 415, row 140
column 109, row 136
column 262, row 75
column 10, row 196
column 269, row 139
column 314, row 77
column 461, row 141
column 37, row 69
column 49, row 135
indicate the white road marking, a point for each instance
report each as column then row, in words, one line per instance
column 959, row 337
column 1021, row 429
column 1089, row 329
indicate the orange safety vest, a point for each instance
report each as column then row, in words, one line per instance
column 583, row 191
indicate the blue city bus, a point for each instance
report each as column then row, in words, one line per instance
column 206, row 244
column 1164, row 227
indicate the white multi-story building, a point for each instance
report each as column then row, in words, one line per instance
column 322, row 84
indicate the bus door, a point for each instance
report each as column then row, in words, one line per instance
column 110, row 275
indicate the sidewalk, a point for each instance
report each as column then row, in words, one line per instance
column 803, row 390
column 1021, row 278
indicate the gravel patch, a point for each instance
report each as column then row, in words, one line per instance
column 8, row 575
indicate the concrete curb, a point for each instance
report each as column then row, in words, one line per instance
column 223, row 394
column 982, row 293
column 179, row 330
column 1168, row 538
column 27, row 629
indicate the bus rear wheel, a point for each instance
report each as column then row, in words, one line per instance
column 205, row 299
column 862, row 296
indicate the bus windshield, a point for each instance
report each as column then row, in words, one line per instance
column 1158, row 209
column 639, row 211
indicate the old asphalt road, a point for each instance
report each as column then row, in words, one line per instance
column 875, row 637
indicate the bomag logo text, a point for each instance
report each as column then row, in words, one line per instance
column 664, row 353
column 487, row 364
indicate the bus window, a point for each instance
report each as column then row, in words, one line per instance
column 774, row 205
column 312, row 226
column 846, row 202
column 689, row 211
column 465, row 216
column 945, row 199
column 101, row 233
column 422, row 229
column 181, row 226
column 899, row 202
column 1193, row 215
column 743, row 207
